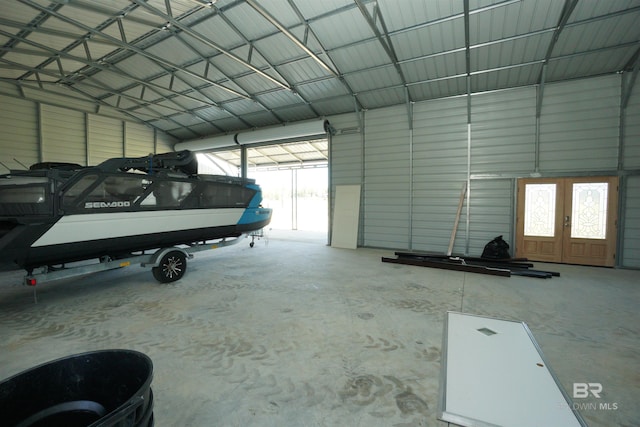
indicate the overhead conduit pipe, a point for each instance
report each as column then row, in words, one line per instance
column 298, row 130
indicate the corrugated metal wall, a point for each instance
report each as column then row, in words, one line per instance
column 345, row 154
column 631, row 150
column 164, row 143
column 34, row 132
column 631, row 242
column 105, row 139
column 423, row 168
column 503, row 130
column 439, row 169
column 503, row 137
column 63, row 135
column 631, row 184
column 386, row 178
column 19, row 136
column 139, row 140
column 579, row 125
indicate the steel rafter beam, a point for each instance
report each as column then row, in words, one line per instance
column 316, row 149
column 567, row 10
column 139, row 51
column 263, row 12
column 177, row 24
column 26, row 30
column 383, row 39
column 257, row 150
column 114, row 69
column 291, row 153
column 634, row 66
column 160, row 61
column 252, row 47
column 98, row 86
column 42, row 87
column 339, row 75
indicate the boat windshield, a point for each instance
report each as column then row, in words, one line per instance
column 23, row 196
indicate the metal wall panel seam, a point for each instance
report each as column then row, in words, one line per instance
column 621, row 221
column 621, row 180
column 410, row 240
column 363, row 120
column 330, row 186
column 467, row 234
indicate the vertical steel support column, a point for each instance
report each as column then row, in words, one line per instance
column 294, row 199
column 362, row 179
column 410, row 117
column 124, row 139
column 40, row 133
column 626, row 89
column 329, row 183
column 539, row 98
column 468, row 62
column 86, row 139
column 243, row 162
column 155, row 141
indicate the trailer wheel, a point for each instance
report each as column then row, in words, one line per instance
column 172, row 267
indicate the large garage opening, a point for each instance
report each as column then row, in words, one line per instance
column 294, row 179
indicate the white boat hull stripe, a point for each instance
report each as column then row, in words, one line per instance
column 96, row 226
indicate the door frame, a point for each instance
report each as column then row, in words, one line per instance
column 562, row 248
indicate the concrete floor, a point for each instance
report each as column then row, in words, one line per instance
column 292, row 333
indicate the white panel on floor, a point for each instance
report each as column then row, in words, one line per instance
column 494, row 374
column 345, row 217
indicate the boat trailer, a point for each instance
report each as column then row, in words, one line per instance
column 167, row 264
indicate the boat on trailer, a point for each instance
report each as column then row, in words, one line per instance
column 59, row 213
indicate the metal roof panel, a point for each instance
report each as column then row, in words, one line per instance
column 314, row 9
column 250, row 23
column 429, row 40
column 438, row 88
column 368, row 79
column 408, row 13
column 361, row 56
column 322, row 89
column 342, row 28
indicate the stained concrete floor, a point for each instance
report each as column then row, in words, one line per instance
column 292, row 333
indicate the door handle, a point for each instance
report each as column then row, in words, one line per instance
column 567, row 221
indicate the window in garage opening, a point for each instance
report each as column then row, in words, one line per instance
column 293, row 177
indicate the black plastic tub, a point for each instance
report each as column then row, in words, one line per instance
column 96, row 389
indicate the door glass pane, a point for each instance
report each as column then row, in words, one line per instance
column 539, row 210
column 589, row 210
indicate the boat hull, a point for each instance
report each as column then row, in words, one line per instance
column 54, row 214
column 81, row 237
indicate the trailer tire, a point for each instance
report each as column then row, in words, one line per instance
column 172, row 267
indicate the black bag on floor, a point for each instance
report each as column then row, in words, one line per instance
column 496, row 249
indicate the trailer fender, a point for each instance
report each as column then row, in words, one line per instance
column 154, row 261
